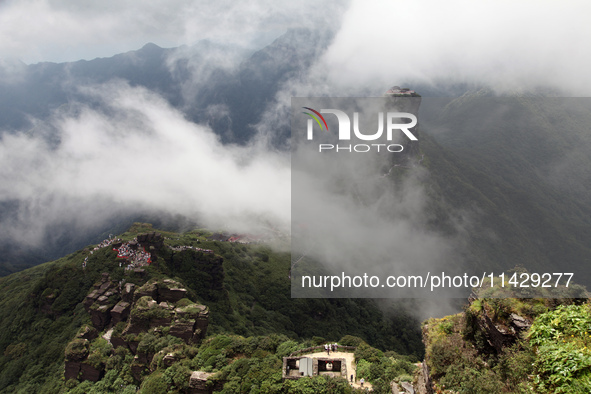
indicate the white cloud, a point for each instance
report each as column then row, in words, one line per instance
column 138, row 152
column 507, row 44
column 66, row 30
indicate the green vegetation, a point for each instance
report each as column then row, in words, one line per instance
column 254, row 363
column 464, row 355
column 238, row 364
column 246, row 288
column 251, row 296
column 562, row 341
column 40, row 312
column 380, row 368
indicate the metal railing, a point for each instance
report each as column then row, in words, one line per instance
column 320, row 349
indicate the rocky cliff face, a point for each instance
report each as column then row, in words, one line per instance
column 199, row 383
column 127, row 312
column 490, row 332
column 157, row 304
column 405, row 100
column 101, row 300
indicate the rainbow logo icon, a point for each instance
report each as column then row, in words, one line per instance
column 313, row 116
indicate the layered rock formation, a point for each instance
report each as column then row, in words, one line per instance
column 127, row 311
column 200, row 383
column 78, row 364
column 499, row 329
column 405, row 100
column 486, row 330
column 101, row 300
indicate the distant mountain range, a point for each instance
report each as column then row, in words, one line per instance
column 226, row 88
column 191, row 79
column 522, row 174
column 507, row 176
column 59, row 309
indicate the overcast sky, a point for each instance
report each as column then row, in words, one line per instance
column 67, row 30
column 504, row 43
column 501, row 42
column 138, row 151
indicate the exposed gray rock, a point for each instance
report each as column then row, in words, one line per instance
column 198, row 382
column 149, row 289
column 100, row 317
column 88, row 332
column 519, row 322
column 120, row 312
column 170, row 291
column 127, row 292
column 169, row 359
column 183, row 330
column 158, row 322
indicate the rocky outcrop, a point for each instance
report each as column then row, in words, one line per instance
column 159, row 322
column 127, row 292
column 169, row 359
column 90, row 372
column 519, row 323
column 133, row 345
column 170, row 291
column 72, row 370
column 201, row 323
column 151, row 240
column 199, row 314
column 147, row 290
column 77, row 364
column 187, row 322
column 497, row 335
column 120, row 312
column 198, row 383
column 484, row 332
column 100, row 316
column 117, row 341
column 424, row 382
column 87, row 332
column 99, row 302
column 501, row 332
column 183, row 330
column 130, row 312
column 76, row 352
column 408, row 388
column 104, row 288
column 167, row 290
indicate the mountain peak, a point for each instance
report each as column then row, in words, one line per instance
column 150, row 47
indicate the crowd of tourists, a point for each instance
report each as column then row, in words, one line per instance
column 135, row 255
column 103, row 244
column 186, row 247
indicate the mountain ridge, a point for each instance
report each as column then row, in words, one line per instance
column 43, row 305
